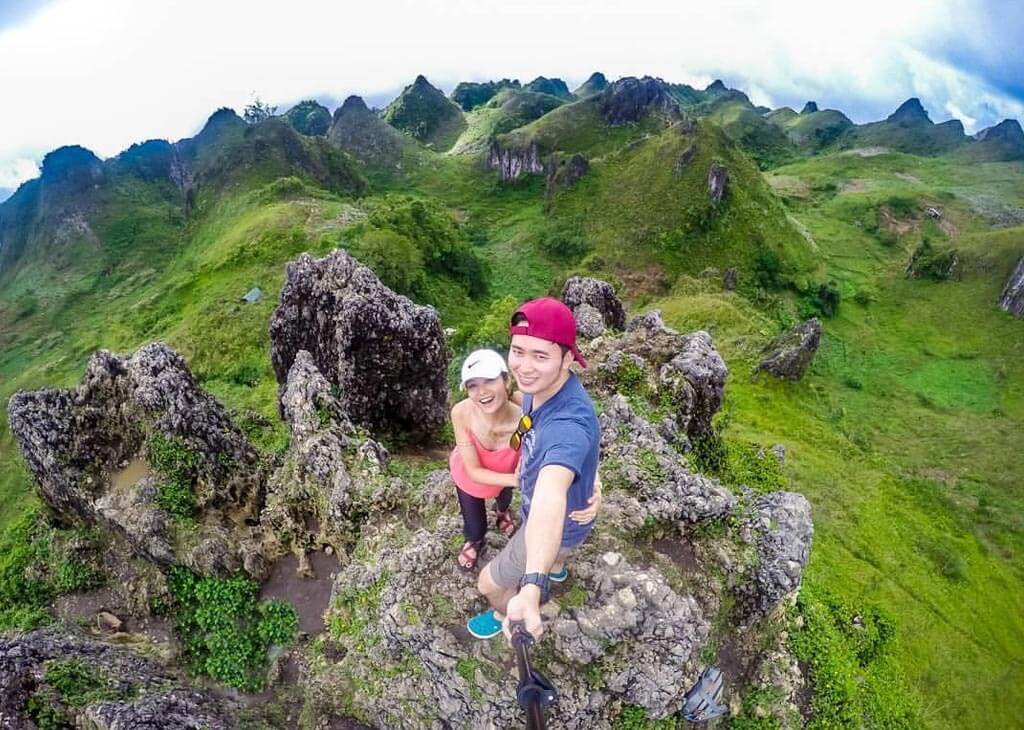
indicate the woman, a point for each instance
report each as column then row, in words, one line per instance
column 483, row 465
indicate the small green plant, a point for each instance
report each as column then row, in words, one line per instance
column 633, row 717
column 176, row 464
column 466, row 667
column 70, row 683
column 225, row 631
column 354, row 611
column 737, row 463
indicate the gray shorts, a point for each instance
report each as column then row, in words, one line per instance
column 509, row 565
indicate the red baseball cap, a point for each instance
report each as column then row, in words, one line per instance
column 549, row 319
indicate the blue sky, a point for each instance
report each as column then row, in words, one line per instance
column 107, row 73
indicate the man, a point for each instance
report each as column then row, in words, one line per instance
column 559, row 436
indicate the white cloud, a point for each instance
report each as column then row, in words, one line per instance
column 16, row 171
column 108, row 74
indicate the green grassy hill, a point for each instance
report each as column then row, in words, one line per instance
column 427, row 115
column 905, row 435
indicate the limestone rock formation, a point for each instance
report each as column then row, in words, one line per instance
column 789, row 354
column 595, row 84
column 1012, row 298
column 311, row 497
column 909, row 113
column 126, row 411
column 589, row 322
column 641, row 636
column 138, row 693
column 310, row 118
column 629, row 99
column 781, row 529
column 566, row 174
column 553, row 87
column 1004, row 141
column 654, row 484
column 511, row 163
column 598, row 294
column 364, row 135
column 809, row 108
column 682, row 376
column 718, row 178
column 684, row 160
column 386, row 356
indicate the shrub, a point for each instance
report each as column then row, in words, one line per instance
column 564, row 243
column 394, row 258
column 224, row 630
column 824, row 300
column 767, row 269
column 929, row 262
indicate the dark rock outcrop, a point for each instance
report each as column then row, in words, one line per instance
column 386, row 355
column 1012, row 298
column 909, row 113
column 694, row 381
column 789, row 354
column 683, row 160
column 593, row 85
column 1003, row 142
column 511, row 163
column 310, row 118
column 809, row 108
column 598, row 294
column 565, row 174
column 718, row 180
column 553, row 87
column 364, row 135
column 140, row 694
column 77, row 442
column 629, row 99
column 781, row 528
column 589, row 322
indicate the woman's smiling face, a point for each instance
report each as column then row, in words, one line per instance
column 489, row 394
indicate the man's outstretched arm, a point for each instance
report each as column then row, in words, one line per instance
column 543, row 540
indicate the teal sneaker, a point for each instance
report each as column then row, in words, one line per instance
column 484, row 625
column 560, row 576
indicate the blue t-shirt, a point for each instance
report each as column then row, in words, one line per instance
column 565, row 432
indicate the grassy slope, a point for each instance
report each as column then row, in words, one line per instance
column 906, row 434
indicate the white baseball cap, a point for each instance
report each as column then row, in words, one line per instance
column 485, row 364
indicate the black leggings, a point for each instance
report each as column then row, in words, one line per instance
column 474, row 512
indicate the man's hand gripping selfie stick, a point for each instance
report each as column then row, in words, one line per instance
column 535, row 691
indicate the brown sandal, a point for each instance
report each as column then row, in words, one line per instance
column 505, row 523
column 469, row 555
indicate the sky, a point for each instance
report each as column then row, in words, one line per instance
column 108, row 73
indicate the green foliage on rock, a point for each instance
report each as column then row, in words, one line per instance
column 176, row 464
column 225, row 631
column 38, row 563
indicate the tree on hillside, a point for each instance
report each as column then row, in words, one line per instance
column 257, row 111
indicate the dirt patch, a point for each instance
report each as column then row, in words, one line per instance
column 680, row 552
column 650, row 280
column 126, row 478
column 867, row 151
column 899, row 226
column 789, row 186
column 731, row 661
column 853, row 186
column 908, row 178
column 309, row 596
column 82, row 609
column 460, row 632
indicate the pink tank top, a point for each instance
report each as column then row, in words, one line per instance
column 500, row 460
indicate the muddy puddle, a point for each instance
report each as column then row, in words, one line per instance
column 135, row 472
column 309, row 596
column 680, row 552
column 83, row 609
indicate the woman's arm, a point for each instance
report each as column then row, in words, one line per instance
column 470, row 460
column 586, row 516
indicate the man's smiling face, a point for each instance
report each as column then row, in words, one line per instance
column 536, row 363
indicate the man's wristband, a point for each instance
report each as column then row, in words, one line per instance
column 540, row 580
